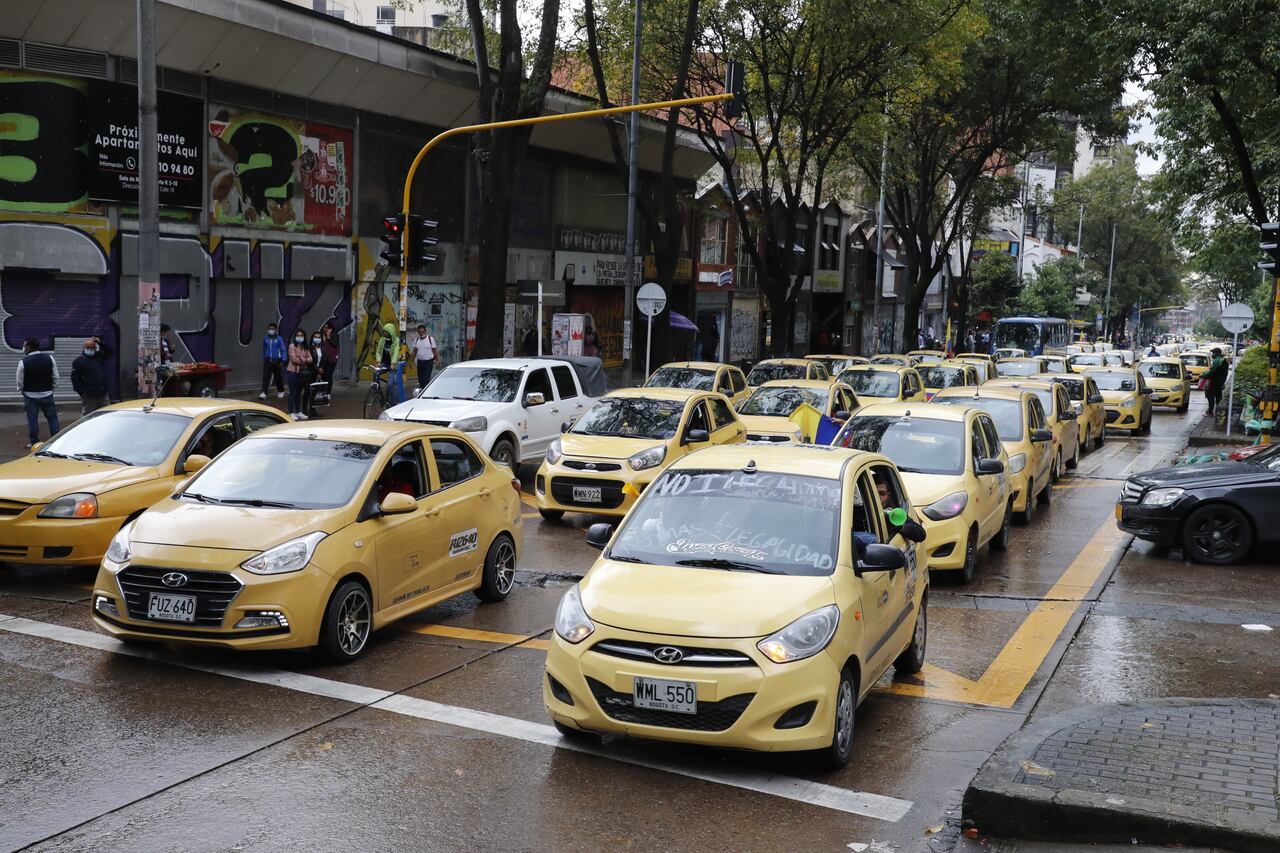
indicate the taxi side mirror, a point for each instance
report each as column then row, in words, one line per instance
column 988, row 466
column 696, row 436
column 195, row 462
column 534, row 399
column 1068, row 415
column 879, row 558
column 1042, row 435
column 35, row 448
column 1095, row 398
column 397, row 503
column 566, row 426
column 599, row 534
column 913, row 531
column 841, row 415
column 1145, row 391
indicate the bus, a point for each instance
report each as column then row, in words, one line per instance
column 1036, row 335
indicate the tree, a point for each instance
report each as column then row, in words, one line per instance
column 1051, row 289
column 993, row 282
column 1224, row 259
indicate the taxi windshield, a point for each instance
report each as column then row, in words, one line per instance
column 631, row 417
column 890, row 359
column 1113, row 359
column 1160, row 370
column 123, row 437
column 1088, row 360
column 695, row 378
column 835, row 365
column 782, row 401
column 941, row 377
column 1115, row 382
column 1006, row 413
column 767, row 522
column 1055, row 365
column 1075, row 387
column 1017, row 368
column 872, row 383
column 763, row 373
column 284, row 473
column 485, row 384
column 917, row 445
column 1196, row 359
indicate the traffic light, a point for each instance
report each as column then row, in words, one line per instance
column 392, row 234
column 1271, row 245
column 734, row 84
column 420, row 242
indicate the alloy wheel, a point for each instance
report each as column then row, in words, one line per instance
column 504, row 567
column 844, row 717
column 353, row 622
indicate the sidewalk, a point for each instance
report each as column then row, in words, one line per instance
column 1176, row 771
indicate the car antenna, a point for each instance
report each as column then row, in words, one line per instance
column 750, row 467
column 168, row 374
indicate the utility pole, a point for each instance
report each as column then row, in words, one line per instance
column 875, row 304
column 633, row 148
column 1111, row 265
column 148, row 204
column 1079, row 232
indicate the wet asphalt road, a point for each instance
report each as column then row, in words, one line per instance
column 176, row 750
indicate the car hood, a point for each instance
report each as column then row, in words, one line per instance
column 927, row 488
column 1206, row 474
column 443, row 410
column 1163, row 384
column 38, row 479
column 691, row 602
column 605, row 446
column 240, row 528
column 1116, row 397
column 770, row 423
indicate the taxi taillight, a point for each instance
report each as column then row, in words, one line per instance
column 515, row 484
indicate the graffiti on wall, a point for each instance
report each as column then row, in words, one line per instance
column 437, row 306
column 744, row 330
column 44, row 135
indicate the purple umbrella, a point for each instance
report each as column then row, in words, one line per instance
column 679, row 321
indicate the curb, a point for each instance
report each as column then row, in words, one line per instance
column 999, row 806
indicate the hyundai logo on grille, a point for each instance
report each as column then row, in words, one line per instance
column 668, row 654
column 174, row 579
column 590, row 466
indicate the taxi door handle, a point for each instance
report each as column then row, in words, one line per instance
column 485, row 492
column 555, row 411
column 431, row 512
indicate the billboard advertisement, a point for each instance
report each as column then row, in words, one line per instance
column 113, row 145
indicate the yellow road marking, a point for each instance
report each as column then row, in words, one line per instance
column 535, row 644
column 528, row 500
column 456, row 633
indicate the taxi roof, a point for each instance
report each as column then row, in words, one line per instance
column 679, row 395
column 948, row 362
column 798, row 362
column 832, row 357
column 354, row 430
column 1162, row 359
column 811, row 384
column 804, row 460
column 190, row 407
column 927, row 352
column 695, row 365
column 916, row 410
column 982, row 355
column 1058, row 377
column 1112, row 369
column 887, row 367
column 998, row 392
column 1019, row 381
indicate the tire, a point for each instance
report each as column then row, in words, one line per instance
column 912, row 657
column 499, row 570
column 551, row 514
column 1074, row 461
column 204, row 388
column 1145, row 429
column 1057, row 467
column 374, row 403
column 1186, row 404
column 348, row 622
column 1102, row 436
column 1000, row 542
column 1217, row 534
column 504, row 453
column 1046, row 494
column 1028, row 515
column 836, row 756
column 970, row 557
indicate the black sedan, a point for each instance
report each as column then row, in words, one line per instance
column 1214, row 511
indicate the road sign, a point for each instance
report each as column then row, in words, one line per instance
column 1236, row 318
column 651, row 299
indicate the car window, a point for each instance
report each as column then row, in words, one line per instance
column 722, row 413
column 698, row 418
column 782, row 400
column 724, row 384
column 1037, row 418
column 1093, row 387
column 918, row 445
column 818, row 370
column 695, row 378
column 993, row 440
column 564, row 382
column 978, row 441
column 295, row 473
column 872, row 383
column 739, row 381
column 215, row 437
column 131, row 437
column 768, row 371
column 864, row 508
column 404, row 473
column 538, row 382
column 1064, row 401
column 631, row 417
column 456, row 461
column 251, row 422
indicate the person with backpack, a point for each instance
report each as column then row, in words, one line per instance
column 1217, row 380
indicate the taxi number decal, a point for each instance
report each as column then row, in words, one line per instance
column 461, row 543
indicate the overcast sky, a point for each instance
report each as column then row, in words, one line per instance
column 1142, row 131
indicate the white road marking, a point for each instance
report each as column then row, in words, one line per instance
column 787, row 787
column 1256, row 627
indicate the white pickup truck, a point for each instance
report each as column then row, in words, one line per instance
column 513, row 407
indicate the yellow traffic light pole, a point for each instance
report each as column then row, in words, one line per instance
column 499, row 125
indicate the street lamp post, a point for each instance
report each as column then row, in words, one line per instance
column 633, row 148
column 1111, row 265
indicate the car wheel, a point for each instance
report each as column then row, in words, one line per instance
column 499, row 570
column 575, row 735
column 1046, row 494
column 970, row 556
column 1186, row 404
column 1057, row 467
column 1001, row 540
column 912, row 657
column 551, row 514
column 348, row 621
column 1218, row 534
column 837, row 754
column 504, row 453
column 1028, row 515
column 1074, row 461
column 204, row 388
column 1102, row 437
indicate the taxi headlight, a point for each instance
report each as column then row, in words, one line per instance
column 1162, row 497
column 118, row 550
column 648, row 458
column 948, row 507
column 476, row 424
column 78, row 505
column 554, row 452
column 1128, row 401
column 286, row 557
column 572, row 622
column 803, row 638
column 1017, row 462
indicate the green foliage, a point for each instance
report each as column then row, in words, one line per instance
column 1051, row 288
column 1224, row 259
column 1251, row 370
column 1211, row 327
column 993, row 281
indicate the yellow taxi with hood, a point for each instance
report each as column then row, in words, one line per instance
column 1021, row 366
column 1061, row 415
column 750, row 600
column 1127, row 397
column 61, row 504
column 892, row 358
column 1197, row 361
column 767, row 412
column 786, row 368
column 837, row 363
column 947, row 374
column 926, row 356
column 1086, row 399
column 955, row 469
column 1023, row 430
column 701, row 376
column 314, row 535
column 1170, row 382
column 884, row 382
column 603, row 461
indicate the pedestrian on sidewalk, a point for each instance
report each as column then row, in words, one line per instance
column 273, row 358
column 424, row 352
column 89, row 375
column 314, row 376
column 166, row 344
column 1217, row 380
column 390, row 358
column 299, row 365
column 37, row 377
column 329, row 345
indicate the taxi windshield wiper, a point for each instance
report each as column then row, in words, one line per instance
column 627, row 558
column 257, row 502
column 731, row 565
column 51, row 453
column 101, row 457
column 204, row 499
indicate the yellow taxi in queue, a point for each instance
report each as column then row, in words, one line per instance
column 1061, row 416
column 1086, row 399
column 1081, row 362
column 61, row 504
column 1009, row 352
column 314, row 534
column 826, row 590
column 786, row 368
column 1197, row 362
column 955, row 470
column 767, row 412
column 982, row 356
column 884, row 382
column 926, row 356
column 1051, row 363
column 1170, row 382
column 1126, row 396
column 1021, row 366
column 702, row 376
column 837, row 363
column 986, row 367
column 947, row 374
column 892, row 358
column 606, row 458
column 1024, row 431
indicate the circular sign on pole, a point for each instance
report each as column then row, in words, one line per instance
column 1236, row 317
column 651, row 299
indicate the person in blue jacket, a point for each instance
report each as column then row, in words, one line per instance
column 273, row 356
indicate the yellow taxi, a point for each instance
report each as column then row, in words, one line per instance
column 750, row 600
column 1081, row 362
column 892, row 358
column 884, row 382
column 702, row 376
column 947, row 374
column 604, row 460
column 1024, row 431
column 62, row 504
column 767, row 412
column 955, row 469
column 981, row 356
column 1126, row 397
column 786, row 368
column 1078, row 348
column 986, row 367
column 314, row 535
column 1009, row 352
column 926, row 356
column 1086, row 399
column 1053, row 363
column 1020, row 366
column 1197, row 362
column 1060, row 414
column 838, row 363
column 1170, row 382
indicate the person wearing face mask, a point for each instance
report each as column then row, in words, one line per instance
column 329, row 347
column 89, row 375
column 314, row 385
column 300, row 362
column 273, row 356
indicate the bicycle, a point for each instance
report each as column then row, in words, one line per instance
column 377, row 400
